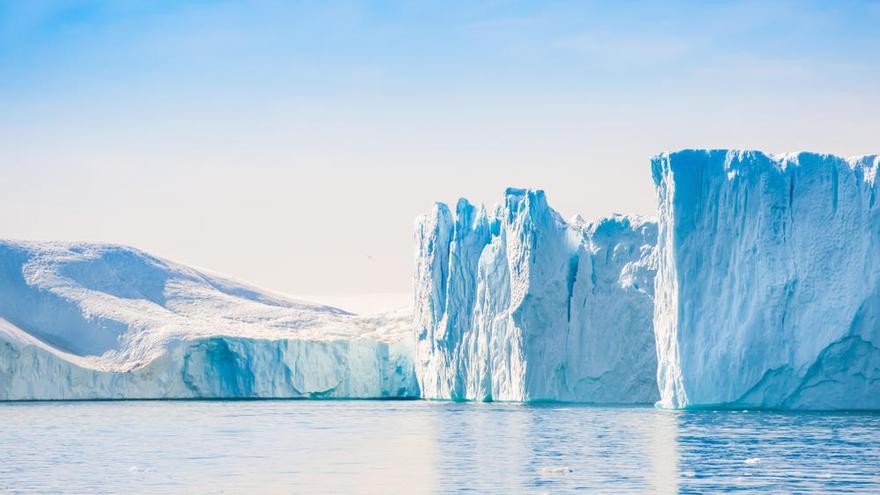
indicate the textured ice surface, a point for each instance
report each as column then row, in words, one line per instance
column 768, row 285
column 81, row 321
column 518, row 304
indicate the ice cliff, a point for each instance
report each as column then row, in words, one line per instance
column 86, row 321
column 758, row 287
column 517, row 304
column 768, row 283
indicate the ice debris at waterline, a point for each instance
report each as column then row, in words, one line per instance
column 768, row 284
column 87, row 321
column 520, row 305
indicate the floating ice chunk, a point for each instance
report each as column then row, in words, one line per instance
column 551, row 471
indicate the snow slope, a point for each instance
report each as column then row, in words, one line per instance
column 520, row 305
column 768, row 285
column 83, row 321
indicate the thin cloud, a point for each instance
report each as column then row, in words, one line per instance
column 612, row 48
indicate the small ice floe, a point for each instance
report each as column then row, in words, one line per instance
column 753, row 460
column 139, row 470
column 555, row 470
column 688, row 474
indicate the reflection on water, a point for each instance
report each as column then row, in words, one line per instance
column 511, row 448
column 422, row 447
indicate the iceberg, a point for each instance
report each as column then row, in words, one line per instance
column 98, row 321
column 768, row 282
column 520, row 305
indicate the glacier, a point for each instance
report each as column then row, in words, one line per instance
column 757, row 286
column 99, row 321
column 768, row 282
column 519, row 305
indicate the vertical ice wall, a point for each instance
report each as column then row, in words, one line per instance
column 768, row 284
column 517, row 304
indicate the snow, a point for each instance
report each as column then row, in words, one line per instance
column 519, row 305
column 768, row 284
column 84, row 321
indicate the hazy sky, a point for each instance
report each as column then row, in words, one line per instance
column 292, row 144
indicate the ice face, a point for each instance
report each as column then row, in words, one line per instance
column 768, row 286
column 520, row 305
column 90, row 321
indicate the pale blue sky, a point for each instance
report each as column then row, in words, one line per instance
column 291, row 144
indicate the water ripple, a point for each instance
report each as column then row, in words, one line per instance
column 428, row 447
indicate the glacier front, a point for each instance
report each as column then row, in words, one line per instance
column 97, row 321
column 768, row 283
column 520, row 305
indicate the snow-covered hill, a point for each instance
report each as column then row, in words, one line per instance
column 82, row 321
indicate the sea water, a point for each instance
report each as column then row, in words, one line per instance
column 427, row 447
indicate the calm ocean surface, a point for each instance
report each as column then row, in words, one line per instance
column 423, row 447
